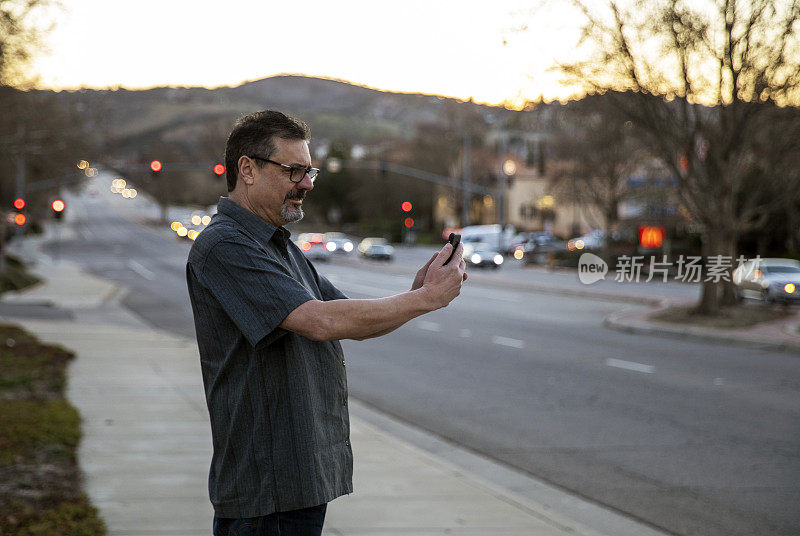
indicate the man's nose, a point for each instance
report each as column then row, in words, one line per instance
column 306, row 183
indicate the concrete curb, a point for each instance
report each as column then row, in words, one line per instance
column 617, row 321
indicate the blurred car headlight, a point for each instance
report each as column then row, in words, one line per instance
column 789, row 288
column 475, row 258
column 518, row 254
column 330, row 246
column 348, row 247
column 498, row 259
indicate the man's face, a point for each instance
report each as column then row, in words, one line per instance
column 272, row 196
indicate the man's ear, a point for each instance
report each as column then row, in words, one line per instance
column 247, row 172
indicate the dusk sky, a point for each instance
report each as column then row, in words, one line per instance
column 448, row 47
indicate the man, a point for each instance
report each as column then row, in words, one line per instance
column 268, row 327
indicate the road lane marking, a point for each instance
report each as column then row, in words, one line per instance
column 630, row 365
column 365, row 289
column 141, row 270
column 429, row 326
column 506, row 341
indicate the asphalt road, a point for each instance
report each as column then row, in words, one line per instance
column 692, row 438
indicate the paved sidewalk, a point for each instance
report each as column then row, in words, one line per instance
column 783, row 335
column 146, row 445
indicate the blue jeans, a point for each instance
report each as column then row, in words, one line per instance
column 303, row 522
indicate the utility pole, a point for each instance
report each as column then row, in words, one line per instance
column 466, row 171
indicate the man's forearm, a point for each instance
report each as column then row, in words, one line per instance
column 361, row 319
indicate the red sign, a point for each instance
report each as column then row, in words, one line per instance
column 651, row 237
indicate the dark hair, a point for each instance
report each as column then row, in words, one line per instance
column 255, row 134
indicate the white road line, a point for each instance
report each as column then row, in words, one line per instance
column 630, row 365
column 465, row 333
column 488, row 295
column 365, row 289
column 141, row 270
column 429, row 326
column 505, row 341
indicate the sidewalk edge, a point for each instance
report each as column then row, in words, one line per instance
column 618, row 322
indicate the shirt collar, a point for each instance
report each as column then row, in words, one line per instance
column 259, row 228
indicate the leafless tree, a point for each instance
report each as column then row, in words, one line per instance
column 598, row 144
column 710, row 86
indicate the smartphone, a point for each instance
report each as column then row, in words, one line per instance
column 454, row 239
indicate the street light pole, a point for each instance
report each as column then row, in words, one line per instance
column 466, row 171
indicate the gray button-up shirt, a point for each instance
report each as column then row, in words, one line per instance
column 277, row 400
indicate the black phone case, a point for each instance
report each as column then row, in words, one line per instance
column 454, row 239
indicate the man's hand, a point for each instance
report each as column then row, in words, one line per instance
column 420, row 277
column 443, row 283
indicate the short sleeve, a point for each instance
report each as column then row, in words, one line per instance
column 329, row 292
column 255, row 290
column 327, row 289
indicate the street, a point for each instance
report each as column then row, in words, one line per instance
column 690, row 437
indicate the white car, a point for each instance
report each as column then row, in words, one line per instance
column 770, row 280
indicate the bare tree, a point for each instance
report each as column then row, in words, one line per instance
column 704, row 83
column 597, row 142
column 19, row 39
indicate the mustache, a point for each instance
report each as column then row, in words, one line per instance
column 298, row 195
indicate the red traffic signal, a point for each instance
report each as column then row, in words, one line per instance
column 219, row 169
column 19, row 219
column 155, row 166
column 651, row 237
column 58, row 205
column 409, row 222
column 406, row 206
column 19, row 203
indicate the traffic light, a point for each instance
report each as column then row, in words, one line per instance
column 155, row 167
column 219, row 170
column 406, row 207
column 19, row 217
column 58, row 207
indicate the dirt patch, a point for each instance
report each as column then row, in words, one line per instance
column 40, row 483
column 735, row 317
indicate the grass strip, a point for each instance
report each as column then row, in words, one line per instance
column 40, row 483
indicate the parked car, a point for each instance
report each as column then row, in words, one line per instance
column 539, row 247
column 381, row 252
column 484, row 258
column 589, row 241
column 313, row 246
column 770, row 280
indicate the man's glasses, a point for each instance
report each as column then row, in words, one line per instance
column 296, row 173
